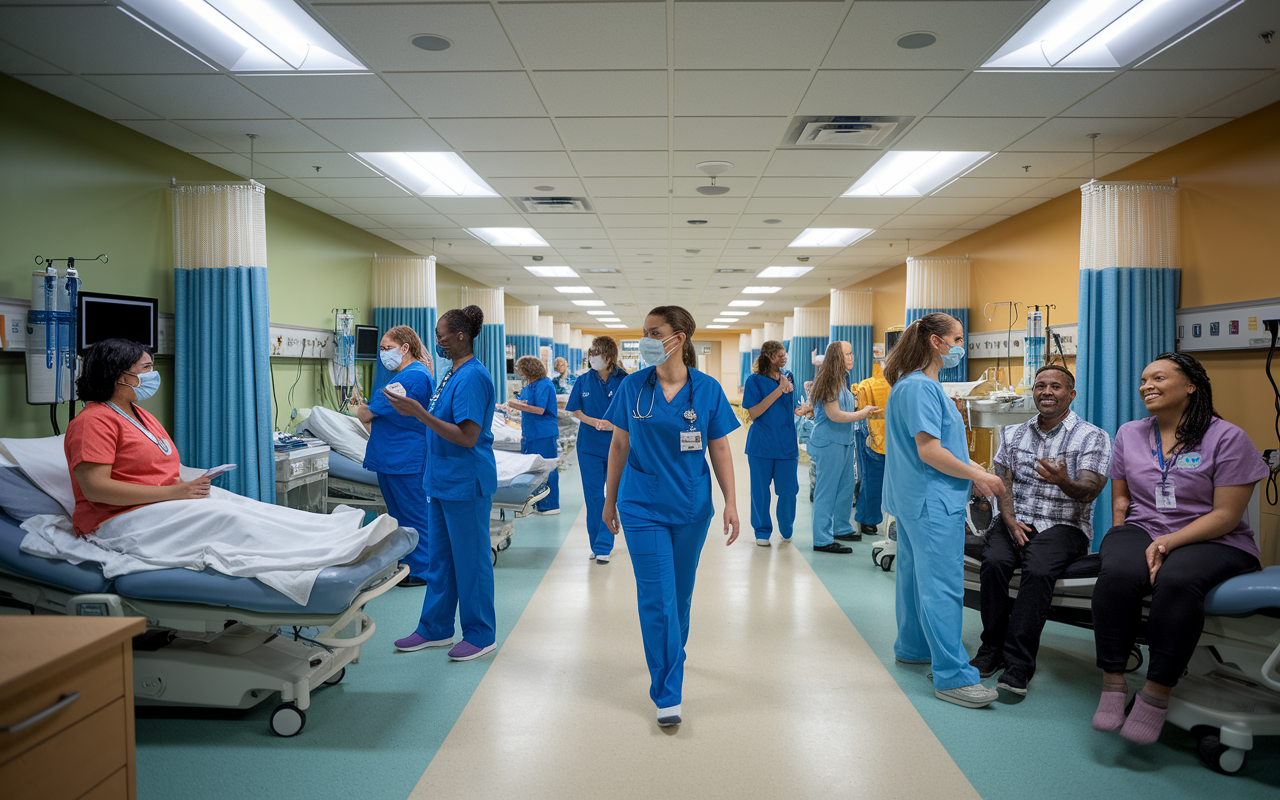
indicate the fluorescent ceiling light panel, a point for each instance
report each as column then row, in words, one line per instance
column 430, row 174
column 830, row 237
column 553, row 272
column 734, row 313
column 600, row 313
column 587, row 303
column 761, row 289
column 1108, row 34
column 913, row 173
column 717, row 327
column 724, row 319
column 783, row 272
column 274, row 36
column 615, row 326
column 509, row 237
column 574, row 290
column 610, row 319
column 746, row 303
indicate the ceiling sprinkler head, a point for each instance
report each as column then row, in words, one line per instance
column 536, row 258
column 802, row 259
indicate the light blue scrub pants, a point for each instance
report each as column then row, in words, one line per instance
column 930, row 592
column 545, row 447
column 781, row 472
column 593, row 470
column 665, row 562
column 833, row 496
column 460, row 578
column 409, row 505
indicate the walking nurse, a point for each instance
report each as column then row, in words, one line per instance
column 538, row 425
column 589, row 400
column 772, row 452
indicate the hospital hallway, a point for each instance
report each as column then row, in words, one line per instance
column 790, row 690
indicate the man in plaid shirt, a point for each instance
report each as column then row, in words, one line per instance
column 1053, row 467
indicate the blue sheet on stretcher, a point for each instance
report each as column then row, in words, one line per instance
column 514, row 492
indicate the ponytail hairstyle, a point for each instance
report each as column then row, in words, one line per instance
column 764, row 364
column 913, row 351
column 606, row 348
column 681, row 321
column 404, row 335
column 1199, row 413
column 467, row 321
column 832, row 377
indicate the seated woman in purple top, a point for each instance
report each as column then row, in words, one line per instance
column 1180, row 482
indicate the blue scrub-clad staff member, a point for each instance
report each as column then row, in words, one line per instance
column 397, row 442
column 589, row 401
column 538, row 426
column 928, row 481
column 460, row 477
column 667, row 418
column 772, row 451
column 831, row 446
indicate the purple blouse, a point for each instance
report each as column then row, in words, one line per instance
column 1225, row 457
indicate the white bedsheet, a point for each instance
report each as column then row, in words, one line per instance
column 513, row 464
column 343, row 433
column 505, row 437
column 45, row 463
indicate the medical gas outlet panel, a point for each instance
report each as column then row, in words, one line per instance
column 1229, row 326
column 1003, row 344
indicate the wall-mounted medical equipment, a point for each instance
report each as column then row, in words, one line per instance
column 51, row 334
column 367, row 340
column 1228, row 326
column 111, row 316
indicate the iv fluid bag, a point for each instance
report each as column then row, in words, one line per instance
column 46, row 384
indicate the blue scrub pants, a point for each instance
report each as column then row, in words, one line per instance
column 410, row 506
column 837, row 469
column 930, row 592
column 665, row 562
column 546, row 448
column 868, row 511
column 460, row 578
column 781, row 472
column 593, row 470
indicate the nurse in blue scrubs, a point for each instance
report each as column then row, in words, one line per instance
column 772, row 452
column 667, row 418
column 589, row 400
column 538, row 426
column 927, row 484
column 397, row 442
column 460, row 477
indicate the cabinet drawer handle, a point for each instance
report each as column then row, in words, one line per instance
column 50, row 711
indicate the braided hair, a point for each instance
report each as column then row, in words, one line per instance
column 1199, row 413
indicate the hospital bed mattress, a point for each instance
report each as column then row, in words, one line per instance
column 79, row 578
column 513, row 493
column 342, row 467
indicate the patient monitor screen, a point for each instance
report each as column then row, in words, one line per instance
column 113, row 316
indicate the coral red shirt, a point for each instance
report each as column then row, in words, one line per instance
column 101, row 436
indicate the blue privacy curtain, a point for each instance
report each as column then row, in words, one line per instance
column 1129, row 275
column 575, row 351
column 940, row 284
column 522, row 330
column 851, row 322
column 491, row 344
column 812, row 332
column 404, row 293
column 222, row 371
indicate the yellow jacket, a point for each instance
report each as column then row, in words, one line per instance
column 875, row 391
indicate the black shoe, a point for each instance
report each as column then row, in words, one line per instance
column 411, row 582
column 833, row 548
column 988, row 664
column 1012, row 681
column 849, row 537
column 868, row 530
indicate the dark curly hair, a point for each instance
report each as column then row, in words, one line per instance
column 764, row 363
column 103, row 365
column 1199, row 413
column 467, row 320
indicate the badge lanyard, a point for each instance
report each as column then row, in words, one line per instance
column 163, row 444
column 431, row 407
column 1165, row 496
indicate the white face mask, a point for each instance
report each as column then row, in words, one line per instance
column 596, row 362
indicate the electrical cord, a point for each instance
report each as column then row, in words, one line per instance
column 275, row 401
column 295, row 380
column 1273, row 492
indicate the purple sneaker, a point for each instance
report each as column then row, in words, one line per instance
column 414, row 642
column 465, row 651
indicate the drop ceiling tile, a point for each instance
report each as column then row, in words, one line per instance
column 325, row 204
column 1039, row 165
column 708, row 205
column 378, row 135
column 546, row 164
column 738, row 187
column 419, row 220
column 302, row 165
column 761, row 35
column 533, row 133
column 631, row 205
column 1173, row 133
column 639, row 244
column 613, row 221
column 574, row 234
column 360, row 221
column 745, row 162
column 983, row 221
column 562, row 220
column 819, row 163
column 660, row 231
column 466, row 94
column 956, row 205
column 872, row 92
column 576, row 36
column 871, row 205
column 626, row 187
column 189, row 96
column 328, row 96
column 524, row 187
column 966, row 32
column 1071, row 134
column 287, row 187
column 1018, row 205
column 94, row 40
column 765, row 236
column 720, row 222
column 850, row 220
column 622, row 163
column 1246, row 101
column 1019, row 94
column 84, row 94
column 511, row 220
column 728, row 133
column 738, row 92
column 775, row 206
column 1003, row 188
column 604, row 93
column 1230, row 41
column 1056, row 187
column 14, row 61
column 613, row 133
column 966, row 133
column 379, row 35
column 234, row 162
column 371, row 206
column 793, row 222
column 468, row 205
column 1163, row 93
column 353, row 187
column 1107, row 164
column 928, row 220
column 274, row 135
column 801, row 187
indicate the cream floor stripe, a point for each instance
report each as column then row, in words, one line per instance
column 782, row 697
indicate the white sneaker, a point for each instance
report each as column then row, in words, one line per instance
column 602, row 559
column 550, row 513
column 591, row 556
column 669, row 716
column 762, row 542
column 975, row 696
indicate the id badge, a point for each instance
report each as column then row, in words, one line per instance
column 1165, row 498
column 690, row 441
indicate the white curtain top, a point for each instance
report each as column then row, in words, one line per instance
column 812, row 322
column 546, row 326
column 491, row 301
column 1129, row 225
column 850, row 308
column 522, row 320
column 788, row 328
column 773, row 331
column 757, row 338
column 404, row 281
column 938, row 282
column 744, row 343
column 218, row 225
column 561, row 335
column 575, row 339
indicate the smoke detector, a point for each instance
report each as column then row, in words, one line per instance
column 713, row 168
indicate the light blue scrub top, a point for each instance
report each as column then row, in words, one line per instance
column 773, row 433
column 450, row 471
column 660, row 484
column 541, row 394
column 592, row 397
column 918, row 404
column 827, row 432
column 397, row 441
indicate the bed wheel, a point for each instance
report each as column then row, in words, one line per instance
column 336, row 678
column 875, row 555
column 1218, row 756
column 494, row 550
column 287, row 720
column 1135, row 660
column 505, row 543
column 886, row 563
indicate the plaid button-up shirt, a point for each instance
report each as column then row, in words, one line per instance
column 1037, row 502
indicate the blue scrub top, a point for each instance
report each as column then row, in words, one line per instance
column 919, row 405
column 773, row 433
column 827, row 432
column 660, row 484
column 562, row 383
column 541, row 394
column 452, row 472
column 592, row 396
column 397, row 441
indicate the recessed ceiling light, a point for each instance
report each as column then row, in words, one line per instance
column 431, row 42
column 761, row 289
column 783, row 272
column 716, row 327
column 735, row 313
column 544, row 188
column 830, row 237
column 574, row 290
column 588, row 302
column 508, row 237
column 600, row 313
column 914, row 173
column 724, row 319
column 615, row 326
column 730, row 271
column 430, row 174
column 772, row 221
column 610, row 319
column 553, row 272
column 917, row 40
column 746, row 303
column 600, row 270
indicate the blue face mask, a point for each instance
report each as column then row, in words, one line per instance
column 653, row 352
column 440, row 351
column 148, row 383
column 391, row 359
column 952, row 357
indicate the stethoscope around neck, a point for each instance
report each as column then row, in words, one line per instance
column 651, row 382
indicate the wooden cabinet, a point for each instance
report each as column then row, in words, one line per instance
column 66, row 707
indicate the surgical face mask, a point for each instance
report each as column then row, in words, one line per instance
column 391, row 359
column 596, row 362
column 148, row 383
column 952, row 357
column 653, row 352
column 440, row 351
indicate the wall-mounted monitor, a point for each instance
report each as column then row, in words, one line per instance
column 367, row 340
column 117, row 316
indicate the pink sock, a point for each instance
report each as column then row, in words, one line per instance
column 1144, row 722
column 1110, row 713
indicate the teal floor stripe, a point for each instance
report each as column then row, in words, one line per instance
column 372, row 735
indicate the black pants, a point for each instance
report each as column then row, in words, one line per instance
column 1014, row 626
column 1177, row 599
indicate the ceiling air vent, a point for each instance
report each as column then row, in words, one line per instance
column 555, row 205
column 845, row 132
